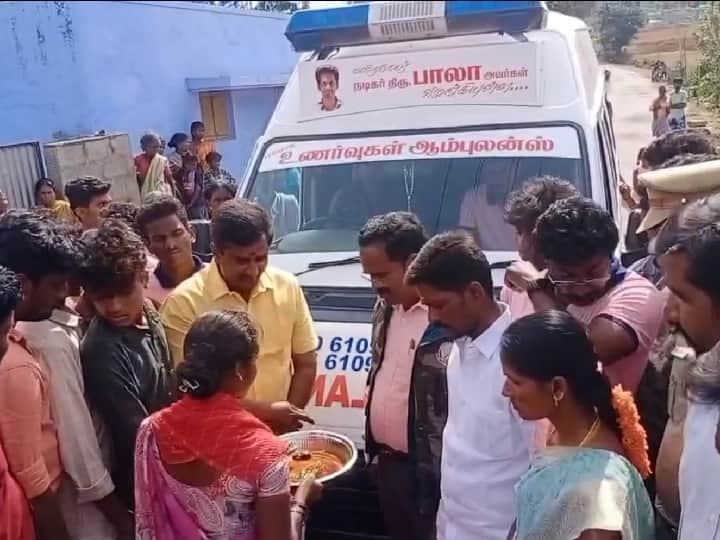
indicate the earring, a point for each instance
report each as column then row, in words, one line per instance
column 556, row 400
column 240, row 377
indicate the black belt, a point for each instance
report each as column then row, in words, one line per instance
column 386, row 451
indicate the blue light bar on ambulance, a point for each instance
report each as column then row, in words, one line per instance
column 380, row 22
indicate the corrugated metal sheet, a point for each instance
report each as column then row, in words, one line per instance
column 21, row 166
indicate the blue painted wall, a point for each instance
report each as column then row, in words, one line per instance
column 74, row 68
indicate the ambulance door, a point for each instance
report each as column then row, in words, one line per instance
column 609, row 162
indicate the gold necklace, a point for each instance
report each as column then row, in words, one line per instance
column 591, row 432
column 589, row 435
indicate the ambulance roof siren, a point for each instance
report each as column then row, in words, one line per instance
column 382, row 22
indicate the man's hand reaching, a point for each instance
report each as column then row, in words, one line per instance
column 520, row 274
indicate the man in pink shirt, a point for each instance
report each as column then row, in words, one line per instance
column 27, row 432
column 407, row 393
column 163, row 224
column 15, row 518
column 622, row 310
column 522, row 210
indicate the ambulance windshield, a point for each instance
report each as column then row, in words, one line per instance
column 320, row 193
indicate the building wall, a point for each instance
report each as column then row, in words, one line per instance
column 253, row 108
column 107, row 157
column 42, row 90
column 79, row 67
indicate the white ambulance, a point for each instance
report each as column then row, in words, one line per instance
column 437, row 108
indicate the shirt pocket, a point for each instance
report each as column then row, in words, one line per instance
column 275, row 326
column 493, row 429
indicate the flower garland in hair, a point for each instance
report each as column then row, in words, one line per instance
column 634, row 437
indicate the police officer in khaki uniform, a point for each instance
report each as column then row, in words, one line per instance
column 679, row 181
column 669, row 188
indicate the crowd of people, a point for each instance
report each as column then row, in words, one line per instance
column 144, row 380
column 103, row 392
column 669, row 112
column 192, row 173
column 581, row 405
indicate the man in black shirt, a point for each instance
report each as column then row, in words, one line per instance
column 125, row 357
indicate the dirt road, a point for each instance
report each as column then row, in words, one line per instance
column 630, row 94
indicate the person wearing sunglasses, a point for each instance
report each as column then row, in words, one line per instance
column 522, row 210
column 621, row 310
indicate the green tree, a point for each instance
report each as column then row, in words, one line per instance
column 282, row 7
column 707, row 76
column 581, row 10
column 617, row 24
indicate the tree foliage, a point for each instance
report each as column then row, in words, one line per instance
column 617, row 24
column 282, row 7
column 581, row 10
column 707, row 76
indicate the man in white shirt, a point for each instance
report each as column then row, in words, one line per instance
column 678, row 105
column 486, row 446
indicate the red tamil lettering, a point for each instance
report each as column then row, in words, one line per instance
column 357, row 403
column 318, row 390
column 338, row 393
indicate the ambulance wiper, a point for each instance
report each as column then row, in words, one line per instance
column 356, row 259
column 329, row 264
column 500, row 265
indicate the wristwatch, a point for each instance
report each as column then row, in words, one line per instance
column 542, row 284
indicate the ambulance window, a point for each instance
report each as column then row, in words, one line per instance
column 562, row 168
column 320, row 207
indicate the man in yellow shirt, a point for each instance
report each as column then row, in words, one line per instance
column 239, row 278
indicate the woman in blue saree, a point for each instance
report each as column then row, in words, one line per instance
column 587, row 484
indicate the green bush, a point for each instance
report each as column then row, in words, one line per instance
column 617, row 24
column 707, row 75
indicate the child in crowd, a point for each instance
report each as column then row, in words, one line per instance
column 215, row 172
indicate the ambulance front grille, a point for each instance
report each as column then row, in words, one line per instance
column 340, row 304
